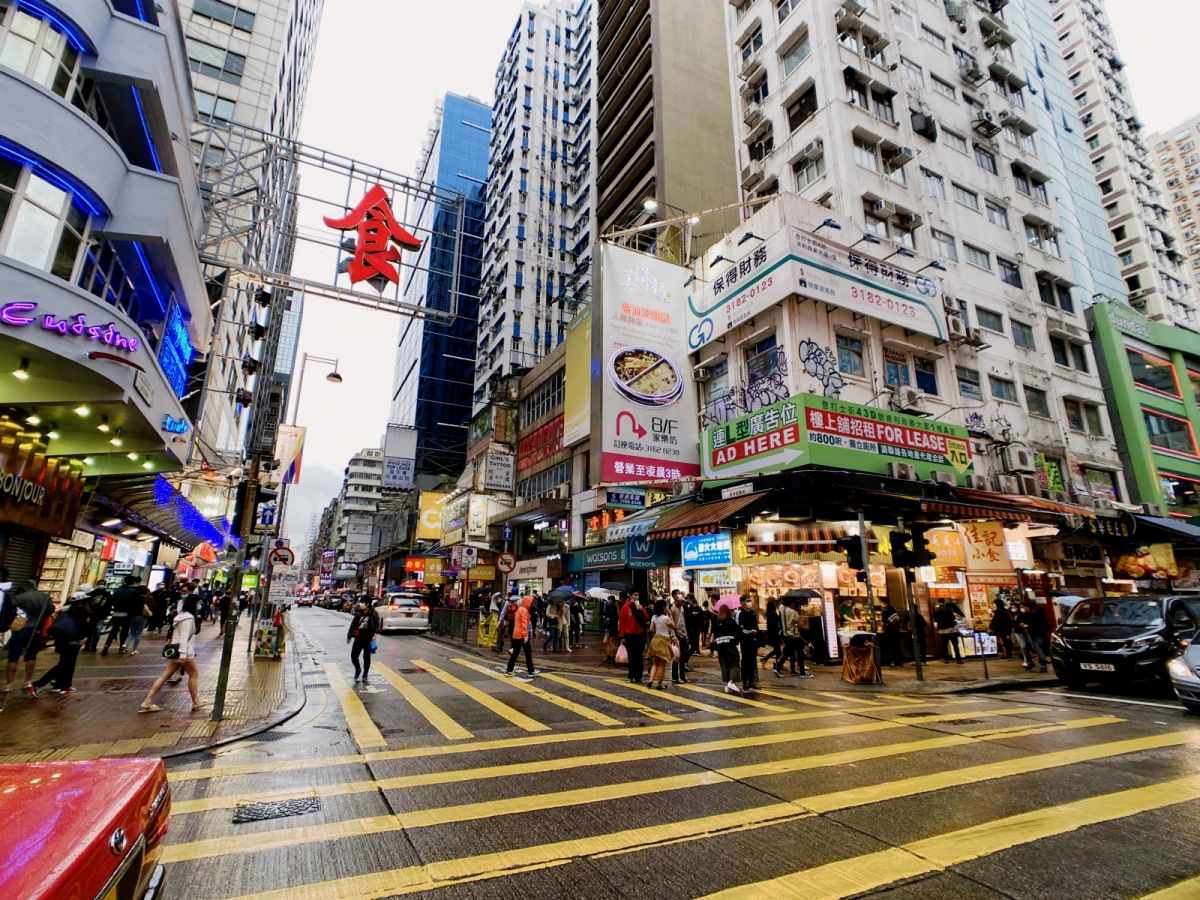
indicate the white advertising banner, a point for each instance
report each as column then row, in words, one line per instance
column 793, row 261
column 644, row 395
column 399, row 457
column 283, row 581
column 398, row 474
column 500, row 473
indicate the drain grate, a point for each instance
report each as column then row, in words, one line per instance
column 316, row 684
column 411, row 671
column 260, row 812
column 268, row 737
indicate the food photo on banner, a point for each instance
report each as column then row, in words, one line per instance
column 643, row 400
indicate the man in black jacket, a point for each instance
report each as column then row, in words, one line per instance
column 891, row 634
column 126, row 603
column 1032, row 620
column 748, row 621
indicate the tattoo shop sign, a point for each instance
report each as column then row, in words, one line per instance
column 793, row 261
column 811, row 430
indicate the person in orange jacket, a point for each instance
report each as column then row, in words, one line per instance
column 520, row 638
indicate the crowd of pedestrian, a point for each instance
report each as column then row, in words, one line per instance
column 30, row 623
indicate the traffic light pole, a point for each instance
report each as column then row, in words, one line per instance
column 866, row 555
column 913, row 612
column 248, row 504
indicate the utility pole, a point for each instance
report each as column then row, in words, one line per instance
column 866, row 555
column 913, row 612
column 250, row 497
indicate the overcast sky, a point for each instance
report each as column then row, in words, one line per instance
column 375, row 105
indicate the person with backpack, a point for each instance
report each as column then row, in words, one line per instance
column 522, row 632
column 125, row 603
column 363, row 628
column 508, row 617
column 68, row 632
column 100, row 603
column 33, row 608
column 181, row 641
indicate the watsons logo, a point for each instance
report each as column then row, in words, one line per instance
column 21, row 490
column 1130, row 325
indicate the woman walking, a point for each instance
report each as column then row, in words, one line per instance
column 183, row 634
column 520, row 638
column 774, row 633
column 726, row 640
column 363, row 628
column 1002, row 628
column 660, row 652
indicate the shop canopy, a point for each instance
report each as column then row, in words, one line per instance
column 1178, row 531
column 1021, row 501
column 971, row 511
column 639, row 523
column 799, row 537
column 703, row 519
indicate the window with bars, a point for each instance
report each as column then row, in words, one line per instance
column 544, row 398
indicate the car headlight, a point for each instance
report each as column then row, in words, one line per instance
column 1056, row 640
column 1152, row 641
column 1180, row 669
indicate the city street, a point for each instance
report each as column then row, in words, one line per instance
column 442, row 776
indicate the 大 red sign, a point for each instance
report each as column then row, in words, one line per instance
column 377, row 231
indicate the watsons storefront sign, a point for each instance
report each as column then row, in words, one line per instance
column 22, row 490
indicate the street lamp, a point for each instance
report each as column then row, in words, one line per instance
column 333, row 377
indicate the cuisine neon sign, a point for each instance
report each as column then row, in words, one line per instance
column 17, row 315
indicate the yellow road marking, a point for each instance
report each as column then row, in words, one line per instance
column 414, row 879
column 852, row 876
column 483, row 698
column 849, row 698
column 736, row 698
column 362, row 729
column 1183, row 890
column 578, row 708
column 230, row 801
column 902, row 699
column 611, row 698
column 433, row 714
column 323, row 699
column 797, row 699
column 263, row 768
column 684, row 701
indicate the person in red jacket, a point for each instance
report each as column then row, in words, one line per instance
column 632, row 627
column 520, row 638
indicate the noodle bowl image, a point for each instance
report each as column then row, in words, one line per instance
column 645, row 376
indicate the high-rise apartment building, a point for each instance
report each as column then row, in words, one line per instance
column 251, row 63
column 661, row 134
column 432, row 382
column 541, row 191
column 1176, row 160
column 1137, row 214
column 362, row 490
column 925, row 135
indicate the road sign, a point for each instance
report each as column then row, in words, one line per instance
column 507, row 532
column 506, row 562
column 281, row 556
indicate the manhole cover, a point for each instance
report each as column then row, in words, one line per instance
column 411, row 671
column 259, row 812
column 270, row 736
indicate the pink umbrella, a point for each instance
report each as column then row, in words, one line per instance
column 730, row 600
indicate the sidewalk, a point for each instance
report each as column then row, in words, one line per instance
column 940, row 678
column 101, row 718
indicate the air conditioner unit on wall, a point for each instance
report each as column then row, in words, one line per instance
column 885, row 208
column 908, row 398
column 943, row 478
column 562, row 492
column 902, row 471
column 958, row 329
column 1029, row 485
column 1006, row 484
column 702, row 374
column 1018, row 460
column 1056, row 496
column 979, row 483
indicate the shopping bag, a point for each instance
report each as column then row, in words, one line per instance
column 675, row 652
column 622, row 656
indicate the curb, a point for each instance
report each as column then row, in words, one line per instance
column 911, row 686
column 258, row 729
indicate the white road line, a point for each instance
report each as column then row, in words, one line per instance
column 1177, row 706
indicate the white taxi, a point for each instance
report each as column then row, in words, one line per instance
column 402, row 612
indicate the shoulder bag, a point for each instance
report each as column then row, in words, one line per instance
column 170, row 650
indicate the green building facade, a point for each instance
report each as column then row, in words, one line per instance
column 1151, row 376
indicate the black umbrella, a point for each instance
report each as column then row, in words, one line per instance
column 565, row 589
column 616, row 586
column 801, row 594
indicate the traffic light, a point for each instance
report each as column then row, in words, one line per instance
column 921, row 554
column 852, row 547
column 902, row 550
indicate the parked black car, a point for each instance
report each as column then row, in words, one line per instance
column 1123, row 639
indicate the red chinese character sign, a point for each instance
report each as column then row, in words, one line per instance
column 378, row 235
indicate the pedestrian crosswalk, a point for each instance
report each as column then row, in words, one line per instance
column 556, row 770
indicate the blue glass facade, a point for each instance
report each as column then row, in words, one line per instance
column 435, row 363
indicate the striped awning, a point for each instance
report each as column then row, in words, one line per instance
column 802, row 537
column 704, row 519
column 969, row 511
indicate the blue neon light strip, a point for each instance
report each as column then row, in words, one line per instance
column 84, row 197
column 75, row 37
column 191, row 520
column 137, row 101
column 162, row 304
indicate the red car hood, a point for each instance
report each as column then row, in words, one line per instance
column 58, row 819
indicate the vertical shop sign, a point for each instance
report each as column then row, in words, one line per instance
column 578, row 387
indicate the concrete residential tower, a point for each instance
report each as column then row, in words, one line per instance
column 912, row 134
column 1176, row 160
column 540, row 193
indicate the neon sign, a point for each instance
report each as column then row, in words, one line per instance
column 377, row 230
column 175, row 353
column 175, row 426
column 16, row 315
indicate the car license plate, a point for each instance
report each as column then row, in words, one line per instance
column 1098, row 667
column 408, row 615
